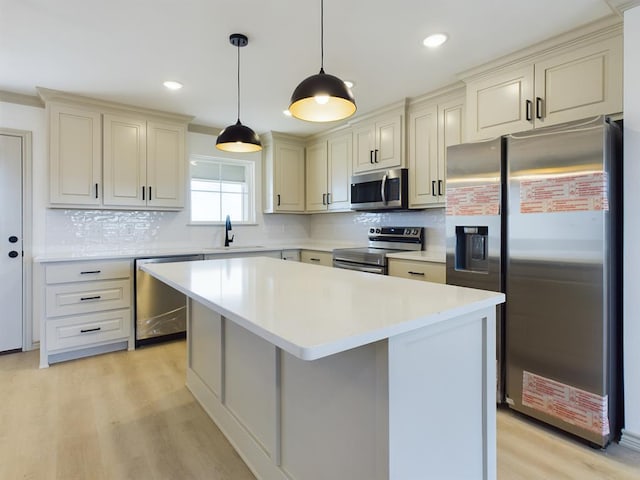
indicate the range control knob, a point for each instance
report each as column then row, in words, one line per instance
column 13, row 239
column 13, row 254
column 372, row 230
column 377, row 230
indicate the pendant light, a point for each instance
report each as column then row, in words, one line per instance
column 238, row 137
column 322, row 97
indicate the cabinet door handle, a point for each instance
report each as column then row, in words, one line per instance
column 96, row 190
column 149, row 192
column 421, row 274
column 539, row 112
column 278, row 195
column 87, row 330
column 376, row 155
column 324, row 198
column 328, row 199
column 528, row 106
column 314, row 259
column 143, row 193
column 89, row 271
column 440, row 187
column 433, row 188
column 96, row 297
column 371, row 156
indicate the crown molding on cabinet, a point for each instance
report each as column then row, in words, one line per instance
column 620, row 6
column 608, row 27
column 48, row 95
column 21, row 99
column 204, row 129
column 453, row 90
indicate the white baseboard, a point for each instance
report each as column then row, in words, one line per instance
column 630, row 440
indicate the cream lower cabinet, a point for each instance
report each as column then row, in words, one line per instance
column 576, row 83
column 284, row 180
column 433, row 126
column 418, row 270
column 85, row 308
column 144, row 163
column 378, row 143
column 317, row 257
column 328, row 174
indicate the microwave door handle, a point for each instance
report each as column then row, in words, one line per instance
column 383, row 188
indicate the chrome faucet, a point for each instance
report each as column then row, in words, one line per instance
column 227, row 229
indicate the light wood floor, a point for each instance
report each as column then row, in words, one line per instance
column 128, row 415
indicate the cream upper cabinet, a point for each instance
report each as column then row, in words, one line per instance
column 125, row 160
column 165, row 164
column 75, row 154
column 143, row 163
column 328, row 174
column 378, row 143
column 316, row 176
column 432, row 128
column 577, row 83
column 339, row 165
column 105, row 155
column 284, row 179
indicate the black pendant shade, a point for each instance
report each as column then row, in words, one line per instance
column 322, row 97
column 238, row 138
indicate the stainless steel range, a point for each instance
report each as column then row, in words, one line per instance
column 382, row 240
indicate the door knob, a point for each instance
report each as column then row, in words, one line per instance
column 13, row 254
column 13, row 239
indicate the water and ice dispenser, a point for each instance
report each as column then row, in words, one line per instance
column 471, row 249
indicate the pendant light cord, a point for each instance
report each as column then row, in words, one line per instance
column 238, row 82
column 322, row 36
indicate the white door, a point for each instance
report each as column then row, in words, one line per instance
column 11, row 241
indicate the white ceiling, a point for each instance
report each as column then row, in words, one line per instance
column 122, row 50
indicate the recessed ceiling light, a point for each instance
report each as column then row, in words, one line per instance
column 172, row 85
column 286, row 112
column 435, row 40
column 349, row 83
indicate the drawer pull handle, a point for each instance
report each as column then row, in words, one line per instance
column 314, row 259
column 87, row 330
column 97, row 297
column 416, row 273
column 89, row 271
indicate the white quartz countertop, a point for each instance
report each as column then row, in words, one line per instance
column 312, row 312
column 102, row 254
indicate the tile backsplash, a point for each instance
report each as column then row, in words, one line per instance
column 91, row 230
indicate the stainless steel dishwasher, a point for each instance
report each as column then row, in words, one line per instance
column 161, row 311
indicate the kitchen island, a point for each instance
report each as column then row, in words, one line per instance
column 316, row 373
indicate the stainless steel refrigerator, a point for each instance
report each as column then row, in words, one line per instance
column 538, row 215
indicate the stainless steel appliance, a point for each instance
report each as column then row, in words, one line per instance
column 537, row 214
column 382, row 240
column 386, row 190
column 161, row 311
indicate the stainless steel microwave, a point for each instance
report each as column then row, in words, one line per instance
column 385, row 190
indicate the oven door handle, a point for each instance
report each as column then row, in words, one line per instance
column 359, row 268
column 383, row 189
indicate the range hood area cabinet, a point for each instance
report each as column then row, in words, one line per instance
column 434, row 124
column 106, row 156
column 565, row 82
column 284, row 173
column 328, row 173
column 378, row 142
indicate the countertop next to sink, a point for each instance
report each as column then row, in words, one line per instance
column 98, row 254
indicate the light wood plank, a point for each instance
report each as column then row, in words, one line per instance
column 128, row 415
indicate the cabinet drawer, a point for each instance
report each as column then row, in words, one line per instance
column 74, row 298
column 425, row 271
column 87, row 271
column 83, row 330
column 316, row 257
